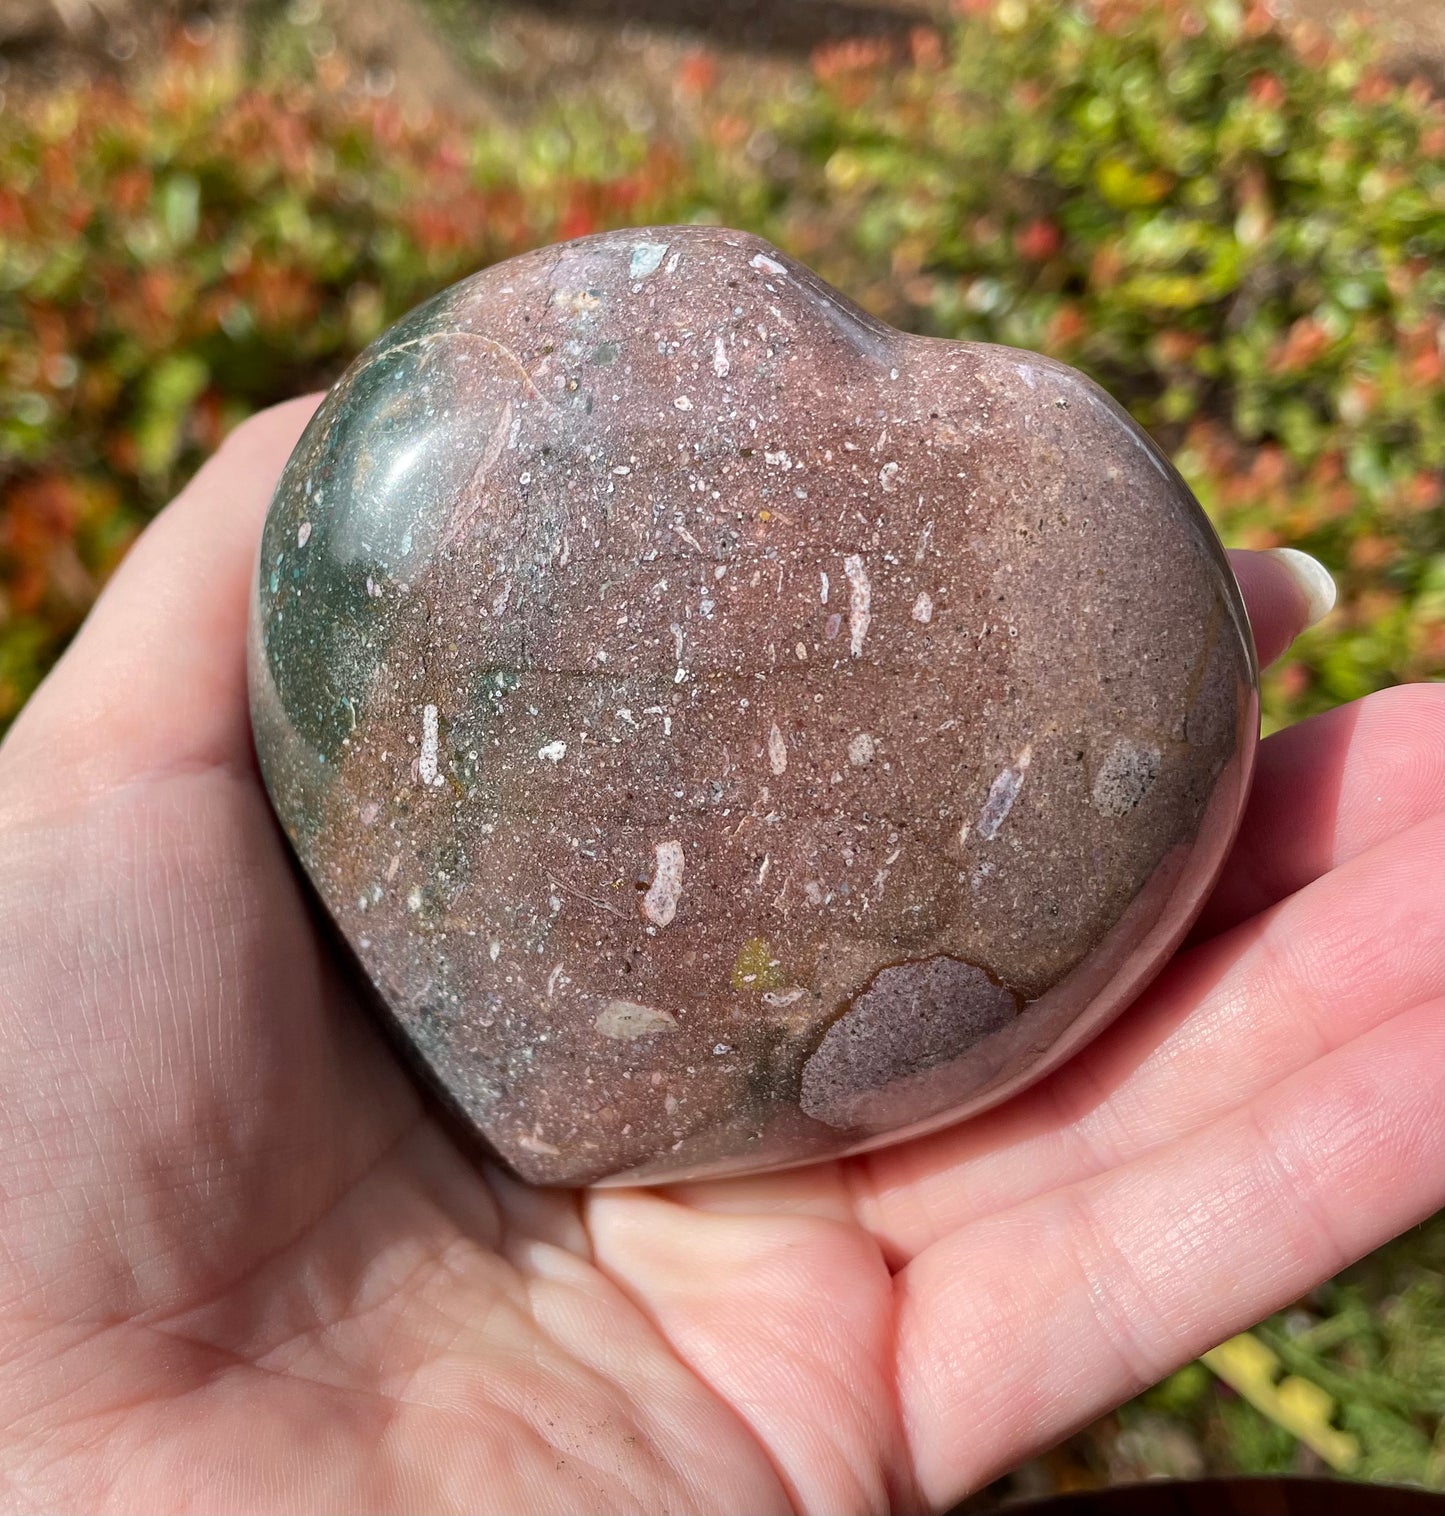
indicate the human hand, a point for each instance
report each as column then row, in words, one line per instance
column 242, row 1269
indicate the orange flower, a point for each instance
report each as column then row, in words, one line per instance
column 283, row 297
column 1176, row 348
column 1373, row 551
column 1303, row 343
column 1259, row 20
column 1267, row 90
column 1258, row 537
column 1372, row 88
column 697, row 76
column 1423, row 491
column 38, row 519
column 925, row 47
column 208, row 425
column 130, row 190
column 729, row 131
column 854, row 55
column 1292, row 681
column 1426, row 367
column 1270, row 468
column 1106, row 266
column 1066, row 326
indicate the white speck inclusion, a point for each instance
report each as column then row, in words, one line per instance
column 861, row 750
column 659, row 904
column 426, row 765
column 860, row 601
column 627, row 1020
column 1003, row 792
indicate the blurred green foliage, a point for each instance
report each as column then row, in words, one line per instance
column 1373, row 1339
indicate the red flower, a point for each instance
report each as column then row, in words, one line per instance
column 577, row 220
column 1267, row 90
column 1039, row 241
column 697, row 76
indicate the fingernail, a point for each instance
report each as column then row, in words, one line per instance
column 1313, row 580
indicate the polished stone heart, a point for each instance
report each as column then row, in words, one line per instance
column 729, row 731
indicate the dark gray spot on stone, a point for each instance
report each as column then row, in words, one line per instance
column 911, row 1017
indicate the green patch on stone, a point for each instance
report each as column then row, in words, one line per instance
column 646, row 259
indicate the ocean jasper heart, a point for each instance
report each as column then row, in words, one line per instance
column 728, row 731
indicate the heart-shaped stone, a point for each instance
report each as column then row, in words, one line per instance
column 729, row 731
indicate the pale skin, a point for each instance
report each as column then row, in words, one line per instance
column 242, row 1269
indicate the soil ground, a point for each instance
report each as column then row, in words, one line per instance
column 488, row 57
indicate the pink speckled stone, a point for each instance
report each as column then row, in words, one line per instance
column 728, row 731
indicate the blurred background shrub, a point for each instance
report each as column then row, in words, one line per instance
column 1240, row 234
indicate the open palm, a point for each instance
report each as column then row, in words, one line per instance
column 241, row 1267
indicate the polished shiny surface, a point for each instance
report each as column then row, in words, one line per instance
column 730, row 732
